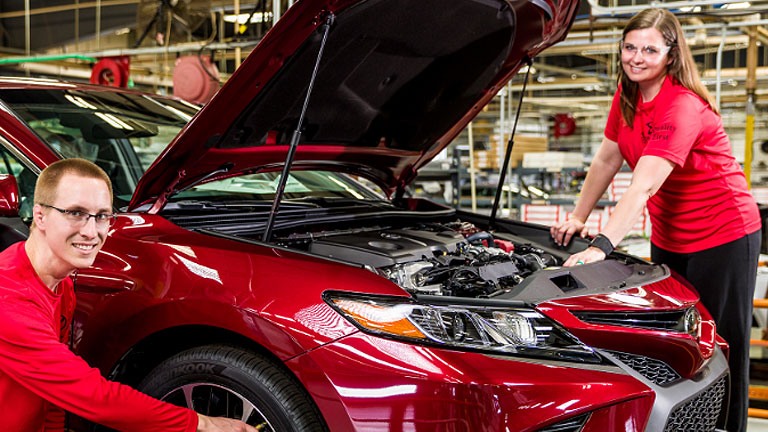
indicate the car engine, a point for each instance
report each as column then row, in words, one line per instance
column 447, row 259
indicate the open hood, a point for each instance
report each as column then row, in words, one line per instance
column 398, row 80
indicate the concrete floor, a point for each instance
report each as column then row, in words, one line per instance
column 757, row 425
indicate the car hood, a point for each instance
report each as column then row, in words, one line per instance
column 398, row 80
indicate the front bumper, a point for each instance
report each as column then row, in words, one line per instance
column 361, row 382
column 688, row 404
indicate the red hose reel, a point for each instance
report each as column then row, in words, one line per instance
column 565, row 125
column 111, row 71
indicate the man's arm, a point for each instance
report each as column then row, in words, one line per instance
column 32, row 356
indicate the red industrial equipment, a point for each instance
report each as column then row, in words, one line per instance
column 565, row 125
column 112, row 71
column 195, row 79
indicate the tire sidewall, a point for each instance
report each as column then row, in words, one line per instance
column 198, row 369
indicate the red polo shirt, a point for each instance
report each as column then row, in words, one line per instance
column 705, row 201
column 38, row 372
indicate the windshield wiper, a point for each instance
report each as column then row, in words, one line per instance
column 193, row 204
column 224, row 168
column 320, row 200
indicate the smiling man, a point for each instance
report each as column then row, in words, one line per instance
column 39, row 375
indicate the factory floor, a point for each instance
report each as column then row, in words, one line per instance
column 757, row 425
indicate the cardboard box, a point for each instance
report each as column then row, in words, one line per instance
column 523, row 144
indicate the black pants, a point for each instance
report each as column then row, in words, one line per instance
column 725, row 278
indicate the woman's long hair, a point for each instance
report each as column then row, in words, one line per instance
column 682, row 67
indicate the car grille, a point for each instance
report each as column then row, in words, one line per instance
column 659, row 320
column 700, row 413
column 574, row 424
column 654, row 370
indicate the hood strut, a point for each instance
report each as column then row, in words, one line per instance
column 296, row 135
column 503, row 174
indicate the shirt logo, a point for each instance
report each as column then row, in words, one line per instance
column 660, row 133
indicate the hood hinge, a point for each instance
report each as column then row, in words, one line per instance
column 170, row 190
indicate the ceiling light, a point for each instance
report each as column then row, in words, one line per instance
column 242, row 18
column 740, row 5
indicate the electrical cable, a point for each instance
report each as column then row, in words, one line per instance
column 205, row 45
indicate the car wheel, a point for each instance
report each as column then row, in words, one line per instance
column 222, row 381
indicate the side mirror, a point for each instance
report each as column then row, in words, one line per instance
column 9, row 195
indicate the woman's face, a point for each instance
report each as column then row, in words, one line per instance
column 645, row 56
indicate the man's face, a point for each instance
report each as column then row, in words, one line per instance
column 75, row 245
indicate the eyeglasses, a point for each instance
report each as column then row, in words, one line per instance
column 648, row 52
column 79, row 218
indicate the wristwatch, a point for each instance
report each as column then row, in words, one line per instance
column 603, row 243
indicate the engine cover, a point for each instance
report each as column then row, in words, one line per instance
column 387, row 247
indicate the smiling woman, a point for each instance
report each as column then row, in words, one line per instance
column 664, row 124
column 646, row 67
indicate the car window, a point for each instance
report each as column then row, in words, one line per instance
column 25, row 179
column 300, row 185
column 123, row 133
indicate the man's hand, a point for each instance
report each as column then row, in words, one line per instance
column 221, row 424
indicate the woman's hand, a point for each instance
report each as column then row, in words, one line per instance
column 562, row 232
column 588, row 255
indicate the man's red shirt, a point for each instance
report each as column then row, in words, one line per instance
column 39, row 373
column 705, row 201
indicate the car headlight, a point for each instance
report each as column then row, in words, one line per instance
column 500, row 330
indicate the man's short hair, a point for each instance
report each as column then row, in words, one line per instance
column 48, row 182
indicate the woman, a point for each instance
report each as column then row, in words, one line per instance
column 664, row 124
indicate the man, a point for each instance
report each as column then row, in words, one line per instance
column 71, row 216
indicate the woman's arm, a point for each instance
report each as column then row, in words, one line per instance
column 604, row 167
column 650, row 173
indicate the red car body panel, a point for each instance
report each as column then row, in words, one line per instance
column 448, row 390
column 127, row 297
column 210, row 282
column 683, row 352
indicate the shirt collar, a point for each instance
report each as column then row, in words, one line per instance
column 645, row 106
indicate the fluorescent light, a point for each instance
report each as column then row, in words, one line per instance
column 113, row 121
column 242, row 18
column 77, row 100
column 49, row 82
column 740, row 5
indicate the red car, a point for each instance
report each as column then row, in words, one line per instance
column 310, row 301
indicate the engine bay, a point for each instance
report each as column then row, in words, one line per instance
column 446, row 259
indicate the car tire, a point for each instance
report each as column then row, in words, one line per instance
column 227, row 381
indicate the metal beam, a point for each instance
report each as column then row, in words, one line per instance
column 597, row 9
column 69, row 7
column 186, row 47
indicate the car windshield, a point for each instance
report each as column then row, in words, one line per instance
column 124, row 133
